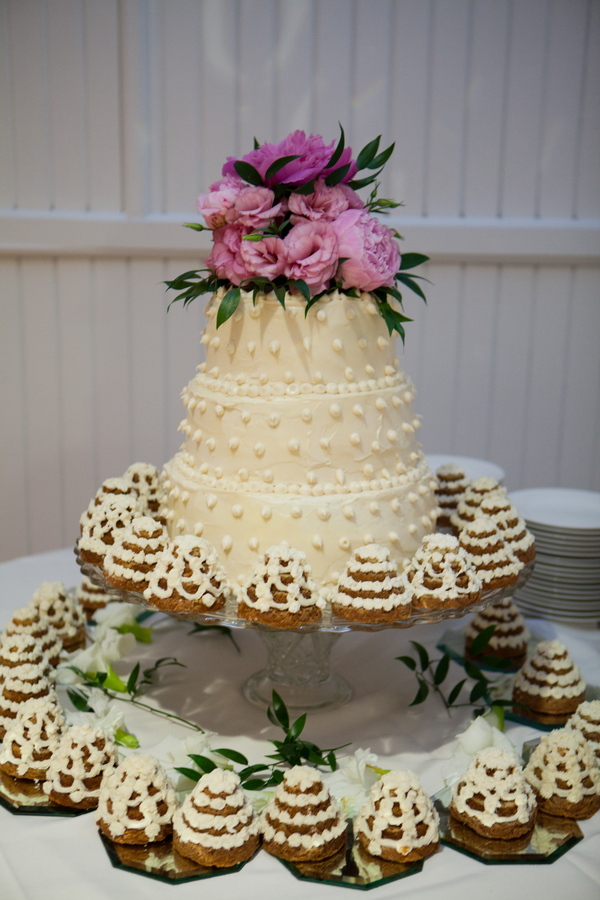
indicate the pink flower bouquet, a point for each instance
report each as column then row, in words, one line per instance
column 286, row 218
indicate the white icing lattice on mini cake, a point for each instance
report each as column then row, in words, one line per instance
column 397, row 801
column 126, row 791
column 23, row 683
column 441, row 573
column 494, row 560
column 189, row 568
column 101, row 523
column 369, row 576
column 35, row 734
column 18, row 650
column 203, row 812
column 495, row 780
column 63, row 610
column 561, row 764
column 84, row 755
column 92, row 597
column 511, row 631
column 587, row 721
column 288, row 809
column 550, row 673
column 148, row 483
column 281, row 580
column 135, row 553
column 31, row 620
column 510, row 524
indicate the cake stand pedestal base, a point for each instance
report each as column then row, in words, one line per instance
column 298, row 669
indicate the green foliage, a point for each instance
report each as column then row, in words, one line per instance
column 125, row 739
column 142, row 635
column 215, row 629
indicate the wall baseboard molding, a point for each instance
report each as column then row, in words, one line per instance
column 447, row 239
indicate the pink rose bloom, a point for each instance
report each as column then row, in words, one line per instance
column 325, row 204
column 373, row 257
column 312, row 251
column 313, row 157
column 226, row 258
column 253, row 206
column 215, row 206
column 267, row 257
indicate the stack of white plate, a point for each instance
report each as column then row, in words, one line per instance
column 566, row 580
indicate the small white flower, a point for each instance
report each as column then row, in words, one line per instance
column 351, row 783
column 113, row 616
column 479, row 734
column 104, row 713
column 174, row 752
column 98, row 657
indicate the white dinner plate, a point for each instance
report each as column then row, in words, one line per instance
column 559, row 507
column 473, row 468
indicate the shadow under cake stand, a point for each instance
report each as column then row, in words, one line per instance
column 298, row 659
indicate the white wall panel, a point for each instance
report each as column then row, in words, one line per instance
column 587, row 196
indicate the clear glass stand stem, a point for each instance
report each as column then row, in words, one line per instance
column 298, row 669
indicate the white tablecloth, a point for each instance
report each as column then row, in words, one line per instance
column 63, row 859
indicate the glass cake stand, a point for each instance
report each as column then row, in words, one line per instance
column 298, row 659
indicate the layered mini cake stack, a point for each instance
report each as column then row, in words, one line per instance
column 33, row 739
column 78, row 765
column 31, row 620
column 496, row 564
column 452, row 484
column 441, row 574
column 563, row 773
column 137, row 802
column 550, row 683
column 63, row 612
column 370, row 589
column 510, row 638
column 280, row 591
column 187, row 577
column 586, row 720
column 134, row 555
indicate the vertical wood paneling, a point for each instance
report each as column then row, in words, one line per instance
column 102, row 104
column 334, row 39
column 7, row 159
column 66, row 99
column 449, row 69
column 28, row 59
column 294, row 67
column 524, row 105
column 44, row 494
column 484, row 108
column 410, row 102
column 579, row 439
column 218, row 85
column 371, row 100
column 135, row 138
column 587, row 190
column 76, row 375
column 562, row 106
column 258, row 27
column 14, row 522
column 544, row 386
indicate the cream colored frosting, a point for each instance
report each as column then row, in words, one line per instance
column 78, row 757
column 64, row 611
column 188, row 565
column 136, row 549
column 101, row 522
column 489, row 554
column 126, row 787
column 92, row 596
column 359, row 577
column 37, row 729
column 452, row 484
column 191, row 823
column 308, row 815
column 31, row 620
column 397, row 800
column 563, row 757
column 496, row 776
column 511, row 630
column 22, row 649
column 147, row 481
column 282, row 570
column 28, row 680
column 441, row 558
column 563, row 680
column 313, row 412
column 587, row 721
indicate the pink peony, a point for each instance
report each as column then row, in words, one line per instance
column 267, row 257
column 312, row 252
column 226, row 257
column 325, row 204
column 223, row 194
column 313, row 156
column 373, row 257
column 254, row 206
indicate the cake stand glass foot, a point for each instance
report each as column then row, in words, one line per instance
column 298, row 669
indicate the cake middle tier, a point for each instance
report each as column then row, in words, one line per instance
column 305, row 440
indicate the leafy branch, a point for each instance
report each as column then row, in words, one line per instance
column 291, row 751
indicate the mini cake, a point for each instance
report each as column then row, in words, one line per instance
column 563, row 773
column 511, row 636
column 64, row 613
column 188, row 577
column 370, row 589
column 493, row 798
column 467, row 510
column 18, row 650
column 134, row 554
column 452, row 483
column 32, row 740
column 511, row 526
column 550, row 683
column 441, row 575
column 302, row 821
column 91, row 597
column 496, row 564
column 587, row 721
column 398, row 821
column 137, row 802
column 101, row 523
column 216, row 824
column 147, row 482
column 76, row 770
column 24, row 683
column 31, row 620
column 280, row 591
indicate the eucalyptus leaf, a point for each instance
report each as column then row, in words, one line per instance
column 474, row 671
column 254, row 784
column 256, row 144
column 304, row 189
column 302, row 286
column 332, row 761
column 133, row 677
column 251, row 770
column 296, row 729
column 382, row 158
column 248, row 173
column 478, row 691
column 279, row 291
column 412, row 285
column 356, row 185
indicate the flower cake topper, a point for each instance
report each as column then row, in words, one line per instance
column 286, row 218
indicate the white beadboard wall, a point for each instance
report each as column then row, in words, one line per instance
column 114, row 114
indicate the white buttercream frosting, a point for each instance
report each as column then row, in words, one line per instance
column 188, row 566
column 281, row 580
column 102, row 521
column 452, row 484
column 85, row 752
column 17, row 650
column 35, row 732
column 91, row 596
column 560, row 764
column 442, row 569
column 216, row 804
column 136, row 551
column 302, row 791
column 550, row 673
column 398, row 801
column 126, row 789
column 371, row 581
column 492, row 558
column 495, row 780
column 63, row 611
column 31, row 620
column 587, row 721
column 510, row 632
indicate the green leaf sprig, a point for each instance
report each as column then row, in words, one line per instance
column 291, row 751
